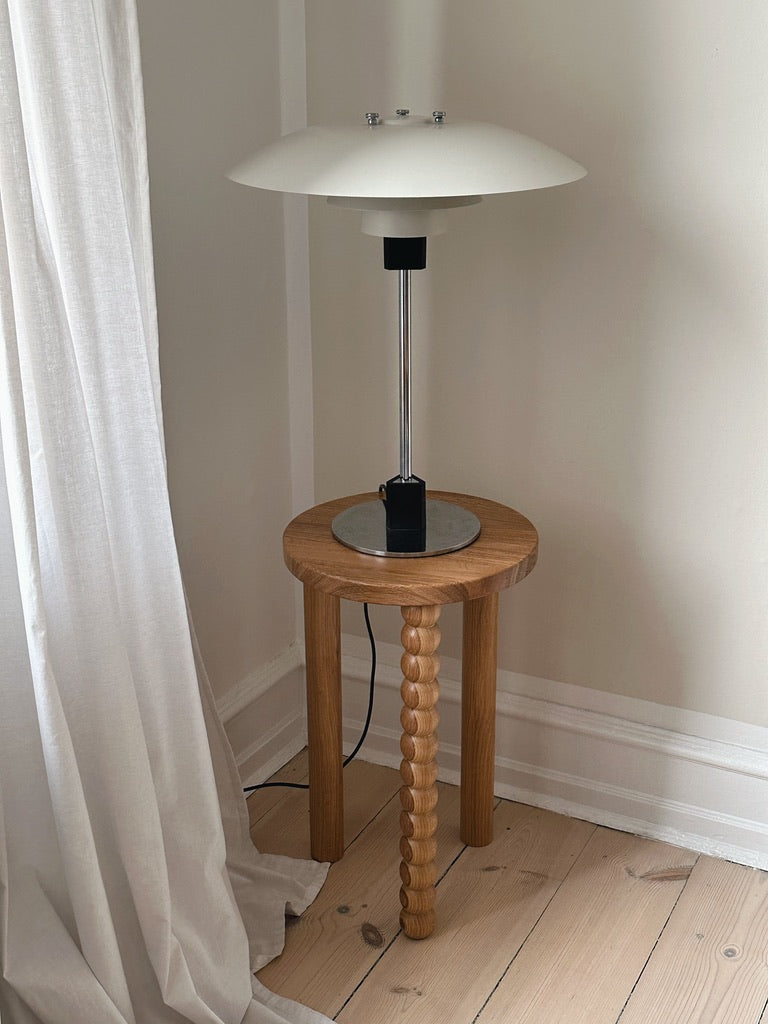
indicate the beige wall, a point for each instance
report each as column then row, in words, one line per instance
column 594, row 355
column 212, row 91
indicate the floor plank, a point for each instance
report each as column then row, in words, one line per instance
column 284, row 828
column 341, row 936
column 261, row 801
column 711, row 964
column 591, row 944
column 487, row 904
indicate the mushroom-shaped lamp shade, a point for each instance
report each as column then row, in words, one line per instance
column 408, row 164
column 403, row 174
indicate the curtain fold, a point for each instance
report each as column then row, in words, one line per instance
column 129, row 891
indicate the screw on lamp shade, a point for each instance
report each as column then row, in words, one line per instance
column 403, row 174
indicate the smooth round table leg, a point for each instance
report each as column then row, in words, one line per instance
column 478, row 719
column 418, row 795
column 322, row 628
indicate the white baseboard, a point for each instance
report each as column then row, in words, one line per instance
column 689, row 779
column 686, row 778
column 265, row 716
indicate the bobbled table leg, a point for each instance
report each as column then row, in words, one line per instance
column 322, row 629
column 418, row 795
column 478, row 719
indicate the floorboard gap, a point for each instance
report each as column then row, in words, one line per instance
column 530, row 932
column 370, row 970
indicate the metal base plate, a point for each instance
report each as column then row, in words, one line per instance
column 364, row 528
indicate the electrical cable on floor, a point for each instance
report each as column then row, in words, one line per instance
column 349, row 757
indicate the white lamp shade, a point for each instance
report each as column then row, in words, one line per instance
column 410, row 157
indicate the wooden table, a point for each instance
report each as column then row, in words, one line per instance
column 504, row 554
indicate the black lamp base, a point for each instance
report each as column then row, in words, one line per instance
column 405, row 511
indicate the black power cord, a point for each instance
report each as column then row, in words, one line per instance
column 349, row 757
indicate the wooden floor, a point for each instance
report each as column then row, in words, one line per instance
column 556, row 921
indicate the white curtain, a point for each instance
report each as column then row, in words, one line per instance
column 128, row 888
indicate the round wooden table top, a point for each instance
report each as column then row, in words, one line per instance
column 503, row 554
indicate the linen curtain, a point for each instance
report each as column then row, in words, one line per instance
column 129, row 891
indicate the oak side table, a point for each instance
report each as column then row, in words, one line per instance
column 504, row 553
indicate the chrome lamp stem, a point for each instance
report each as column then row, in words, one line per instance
column 404, row 298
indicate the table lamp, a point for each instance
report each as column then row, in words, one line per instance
column 403, row 173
